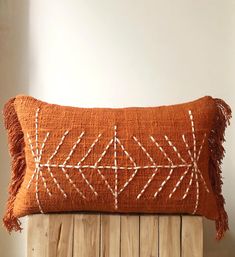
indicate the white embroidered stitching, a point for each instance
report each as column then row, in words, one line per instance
column 56, row 182
column 154, row 172
column 36, row 129
column 37, row 194
column 161, row 149
column 37, row 167
column 58, row 146
column 133, row 162
column 116, row 141
column 174, row 148
column 73, row 148
column 169, row 160
column 197, row 194
column 105, row 181
column 163, row 183
column 189, row 186
column 196, row 169
column 83, row 176
column 102, row 155
column 179, row 182
column 90, row 149
column 193, row 132
column 72, row 183
column 116, row 165
column 38, row 161
column 147, row 184
column 63, row 169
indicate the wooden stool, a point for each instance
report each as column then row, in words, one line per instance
column 105, row 235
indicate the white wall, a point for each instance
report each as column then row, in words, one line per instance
column 138, row 53
column 13, row 80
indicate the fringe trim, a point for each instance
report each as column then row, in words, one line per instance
column 217, row 151
column 16, row 149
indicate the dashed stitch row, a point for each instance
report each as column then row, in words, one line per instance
column 145, row 151
column 72, row 183
column 115, row 164
column 106, row 182
column 174, row 148
column 37, row 194
column 53, row 165
column 163, row 183
column 57, row 183
column 161, row 149
column 73, row 148
column 179, row 182
column 147, row 184
column 34, row 157
column 90, row 149
column 58, row 146
column 197, row 194
column 103, row 153
column 193, row 133
column 189, row 186
column 45, row 183
column 196, row 169
column 200, row 149
column 38, row 161
column 36, row 129
column 87, row 182
column 153, row 162
column 133, row 162
column 81, row 172
column 115, row 140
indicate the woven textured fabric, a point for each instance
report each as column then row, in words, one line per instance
column 127, row 160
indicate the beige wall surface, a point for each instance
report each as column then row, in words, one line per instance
column 13, row 80
column 120, row 53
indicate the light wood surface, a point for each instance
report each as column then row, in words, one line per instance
column 130, row 236
column 169, row 236
column 192, row 236
column 149, row 235
column 86, row 235
column 104, row 235
column 110, row 236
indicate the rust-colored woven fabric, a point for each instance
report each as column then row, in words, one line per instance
column 128, row 160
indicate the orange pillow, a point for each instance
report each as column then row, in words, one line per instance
column 126, row 160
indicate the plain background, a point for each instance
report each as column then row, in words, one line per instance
column 119, row 53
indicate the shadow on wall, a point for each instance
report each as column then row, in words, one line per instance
column 223, row 248
column 13, row 80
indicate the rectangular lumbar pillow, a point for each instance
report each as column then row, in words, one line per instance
column 127, row 160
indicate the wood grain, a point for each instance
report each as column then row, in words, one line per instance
column 129, row 236
column 37, row 237
column 86, row 235
column 192, row 236
column 50, row 235
column 149, row 236
column 169, row 236
column 110, row 235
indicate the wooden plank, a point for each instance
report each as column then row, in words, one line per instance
column 50, row 235
column 129, row 236
column 86, row 235
column 95, row 235
column 149, row 236
column 110, row 236
column 60, row 235
column 169, row 236
column 192, row 236
column 37, row 237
